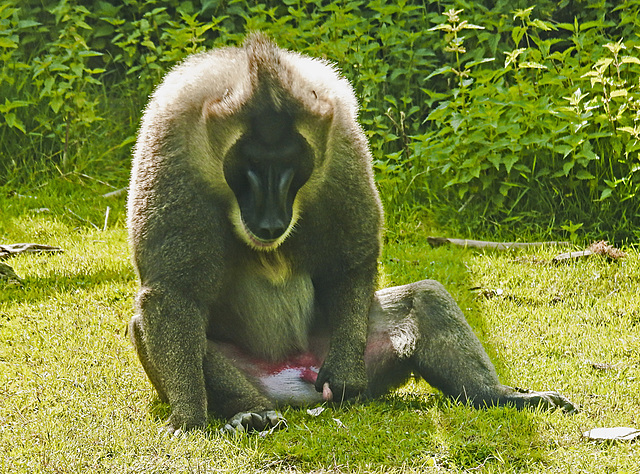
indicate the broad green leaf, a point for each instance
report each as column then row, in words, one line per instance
column 469, row 65
column 567, row 167
column 27, row 23
column 523, row 14
column 442, row 26
column 606, row 192
column 495, row 160
column 14, row 122
column 564, row 150
column 509, row 162
column 629, row 60
column 584, row 174
column 542, row 25
column 56, row 104
column 439, row 71
column 7, row 42
column 517, row 33
column 630, row 130
column 532, row 65
column 456, row 122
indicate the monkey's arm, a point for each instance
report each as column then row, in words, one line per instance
column 345, row 303
column 168, row 335
column 345, row 281
column 174, row 353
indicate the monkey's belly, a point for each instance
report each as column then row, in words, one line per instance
column 288, row 382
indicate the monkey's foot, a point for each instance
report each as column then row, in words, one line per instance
column 247, row 421
column 547, row 400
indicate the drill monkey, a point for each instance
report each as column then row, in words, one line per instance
column 255, row 227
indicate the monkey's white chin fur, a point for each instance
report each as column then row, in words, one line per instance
column 259, row 244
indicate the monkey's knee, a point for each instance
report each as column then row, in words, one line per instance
column 430, row 298
column 136, row 335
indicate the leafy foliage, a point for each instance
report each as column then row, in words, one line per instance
column 554, row 131
column 479, row 113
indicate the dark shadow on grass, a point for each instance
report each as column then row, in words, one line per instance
column 36, row 289
column 415, row 430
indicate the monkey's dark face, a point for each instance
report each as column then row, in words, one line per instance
column 265, row 169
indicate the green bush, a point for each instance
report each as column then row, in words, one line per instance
column 552, row 131
column 501, row 112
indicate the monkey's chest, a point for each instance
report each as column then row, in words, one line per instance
column 271, row 317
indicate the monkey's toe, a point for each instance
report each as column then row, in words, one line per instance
column 557, row 401
column 245, row 422
column 548, row 400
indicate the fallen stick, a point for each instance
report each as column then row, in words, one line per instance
column 601, row 247
column 483, row 244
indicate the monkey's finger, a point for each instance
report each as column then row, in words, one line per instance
column 549, row 401
column 249, row 421
column 232, row 430
column 275, row 420
column 327, row 394
column 242, row 421
column 236, row 427
column 258, row 422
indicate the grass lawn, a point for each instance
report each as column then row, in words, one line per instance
column 74, row 398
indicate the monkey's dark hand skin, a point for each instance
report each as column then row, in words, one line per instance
column 255, row 227
column 344, row 380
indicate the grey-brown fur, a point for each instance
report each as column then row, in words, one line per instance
column 225, row 129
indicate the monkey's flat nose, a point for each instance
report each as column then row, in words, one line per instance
column 271, row 229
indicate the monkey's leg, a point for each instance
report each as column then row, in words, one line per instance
column 430, row 336
column 169, row 336
column 189, row 373
column 231, row 394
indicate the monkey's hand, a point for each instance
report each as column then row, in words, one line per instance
column 248, row 421
column 343, row 381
